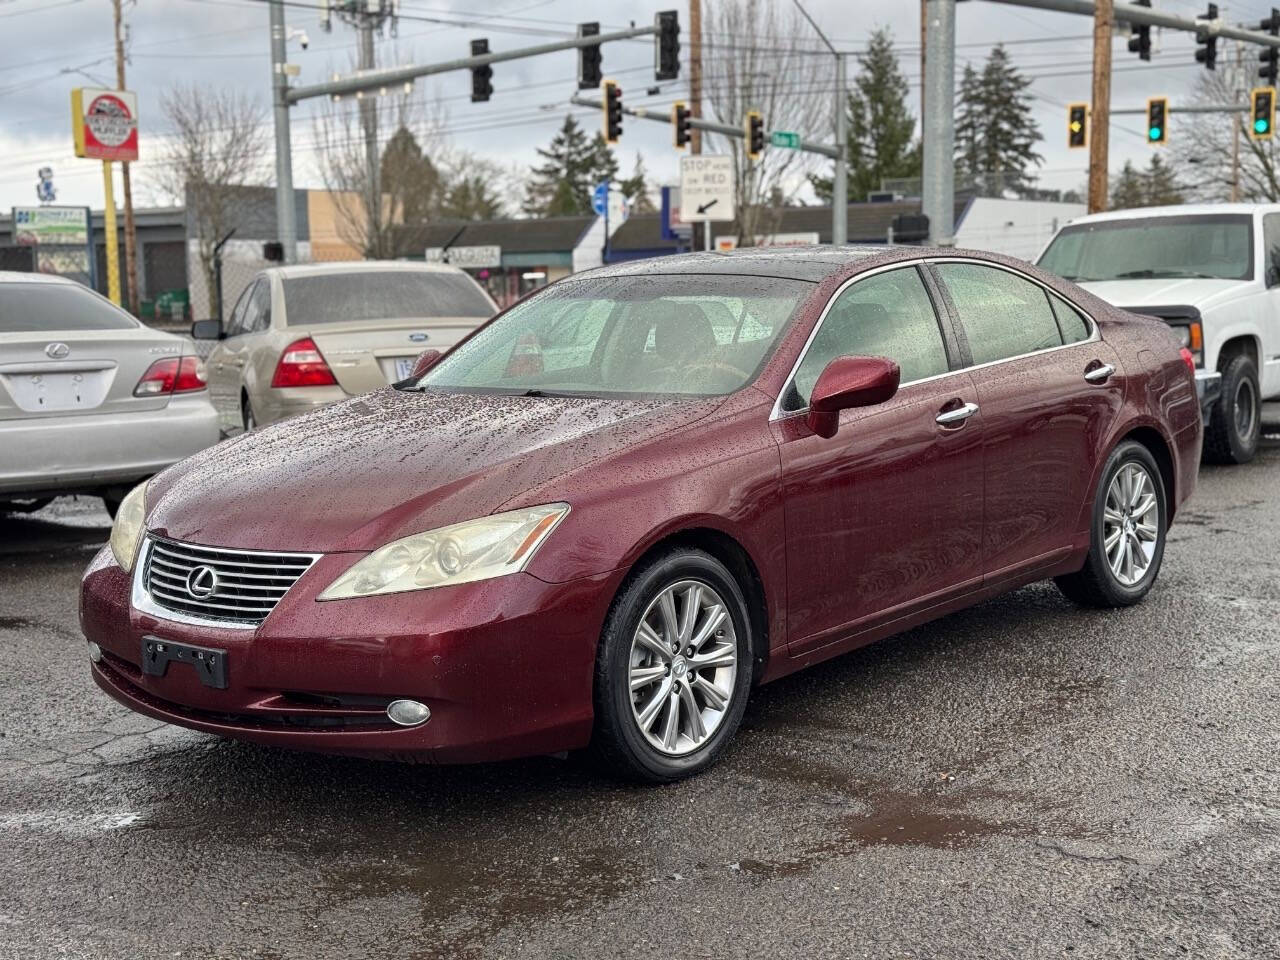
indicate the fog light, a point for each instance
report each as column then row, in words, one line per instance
column 408, row 713
column 95, row 652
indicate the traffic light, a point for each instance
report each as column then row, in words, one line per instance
column 589, row 59
column 1157, row 120
column 481, row 77
column 666, row 51
column 1140, row 35
column 611, row 102
column 755, row 134
column 1270, row 57
column 1263, row 112
column 1077, row 125
column 1208, row 52
column 680, row 123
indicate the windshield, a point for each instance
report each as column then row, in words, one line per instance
column 1218, row 246
column 695, row 335
column 382, row 295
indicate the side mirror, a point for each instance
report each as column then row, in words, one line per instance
column 1272, row 275
column 848, row 382
column 426, row 360
column 206, row 330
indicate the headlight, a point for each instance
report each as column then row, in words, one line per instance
column 129, row 525
column 462, row 553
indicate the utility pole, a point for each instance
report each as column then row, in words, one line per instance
column 840, row 176
column 1235, row 141
column 939, row 121
column 695, row 73
column 1103, row 23
column 369, row 120
column 286, row 212
column 130, row 236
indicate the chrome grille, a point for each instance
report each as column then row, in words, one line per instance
column 246, row 584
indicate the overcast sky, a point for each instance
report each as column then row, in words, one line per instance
column 225, row 43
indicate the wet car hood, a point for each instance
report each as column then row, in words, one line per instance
column 360, row 473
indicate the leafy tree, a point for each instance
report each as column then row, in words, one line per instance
column 574, row 165
column 996, row 134
column 471, row 198
column 881, row 128
column 636, row 189
column 409, row 179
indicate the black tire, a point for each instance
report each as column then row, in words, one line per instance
column 112, row 502
column 247, row 419
column 618, row 743
column 1096, row 584
column 1235, row 422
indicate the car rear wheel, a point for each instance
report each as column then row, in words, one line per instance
column 673, row 670
column 247, row 418
column 1235, row 423
column 1130, row 520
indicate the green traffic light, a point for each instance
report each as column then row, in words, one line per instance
column 1153, row 133
column 1260, row 125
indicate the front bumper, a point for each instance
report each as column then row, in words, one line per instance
column 504, row 665
column 81, row 453
column 1208, row 390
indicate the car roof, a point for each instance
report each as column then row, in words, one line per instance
column 18, row 276
column 1178, row 210
column 358, row 266
column 812, row 263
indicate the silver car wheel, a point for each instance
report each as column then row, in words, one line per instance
column 1131, row 523
column 684, row 661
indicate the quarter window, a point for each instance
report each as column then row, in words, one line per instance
column 885, row 315
column 1073, row 325
column 1003, row 314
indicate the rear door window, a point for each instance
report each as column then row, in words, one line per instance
column 55, row 307
column 1003, row 315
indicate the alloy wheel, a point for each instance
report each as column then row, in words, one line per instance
column 683, row 664
column 1131, row 523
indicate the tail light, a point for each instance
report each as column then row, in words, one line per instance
column 302, row 365
column 526, row 357
column 171, row 375
column 1189, row 359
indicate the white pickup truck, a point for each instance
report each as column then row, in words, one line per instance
column 1211, row 271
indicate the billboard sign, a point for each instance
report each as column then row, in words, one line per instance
column 105, row 123
column 51, row 226
column 469, row 258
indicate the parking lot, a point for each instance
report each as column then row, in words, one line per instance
column 1024, row 779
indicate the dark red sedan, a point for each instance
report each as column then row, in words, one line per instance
column 613, row 510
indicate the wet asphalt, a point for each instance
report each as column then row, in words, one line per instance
column 1024, row 779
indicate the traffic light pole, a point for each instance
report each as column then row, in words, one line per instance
column 286, row 212
column 938, row 123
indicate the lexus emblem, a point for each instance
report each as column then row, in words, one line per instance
column 57, row 351
column 202, row 582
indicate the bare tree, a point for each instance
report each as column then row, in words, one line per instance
column 1215, row 147
column 216, row 144
column 757, row 55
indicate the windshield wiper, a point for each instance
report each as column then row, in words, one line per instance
column 535, row 392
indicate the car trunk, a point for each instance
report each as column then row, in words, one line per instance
column 367, row 354
column 97, row 374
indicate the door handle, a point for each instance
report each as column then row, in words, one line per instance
column 1099, row 373
column 958, row 415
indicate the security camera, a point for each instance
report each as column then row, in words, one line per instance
column 301, row 36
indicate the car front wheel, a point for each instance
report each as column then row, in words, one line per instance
column 673, row 670
column 1130, row 520
column 1235, row 422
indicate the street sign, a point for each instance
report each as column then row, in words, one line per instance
column 785, row 138
column 104, row 124
column 469, row 258
column 706, row 188
column 599, row 197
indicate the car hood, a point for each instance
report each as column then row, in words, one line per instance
column 1166, row 291
column 360, row 473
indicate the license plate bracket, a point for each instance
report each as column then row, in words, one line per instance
column 210, row 664
column 404, row 367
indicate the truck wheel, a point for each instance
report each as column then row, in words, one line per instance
column 1130, row 519
column 1235, row 421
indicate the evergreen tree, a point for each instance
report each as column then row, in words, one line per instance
column 1130, row 189
column 996, row 134
column 1153, row 187
column 574, row 165
column 881, row 128
column 409, row 179
column 636, row 189
column 470, row 198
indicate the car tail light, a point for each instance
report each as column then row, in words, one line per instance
column 171, row 375
column 526, row 357
column 1189, row 359
column 302, row 365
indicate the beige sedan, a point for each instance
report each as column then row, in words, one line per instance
column 304, row 336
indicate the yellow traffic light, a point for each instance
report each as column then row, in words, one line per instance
column 1077, row 125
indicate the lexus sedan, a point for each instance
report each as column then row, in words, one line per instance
column 607, row 515
column 91, row 401
column 303, row 336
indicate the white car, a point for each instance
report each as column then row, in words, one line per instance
column 91, row 400
column 1211, row 271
